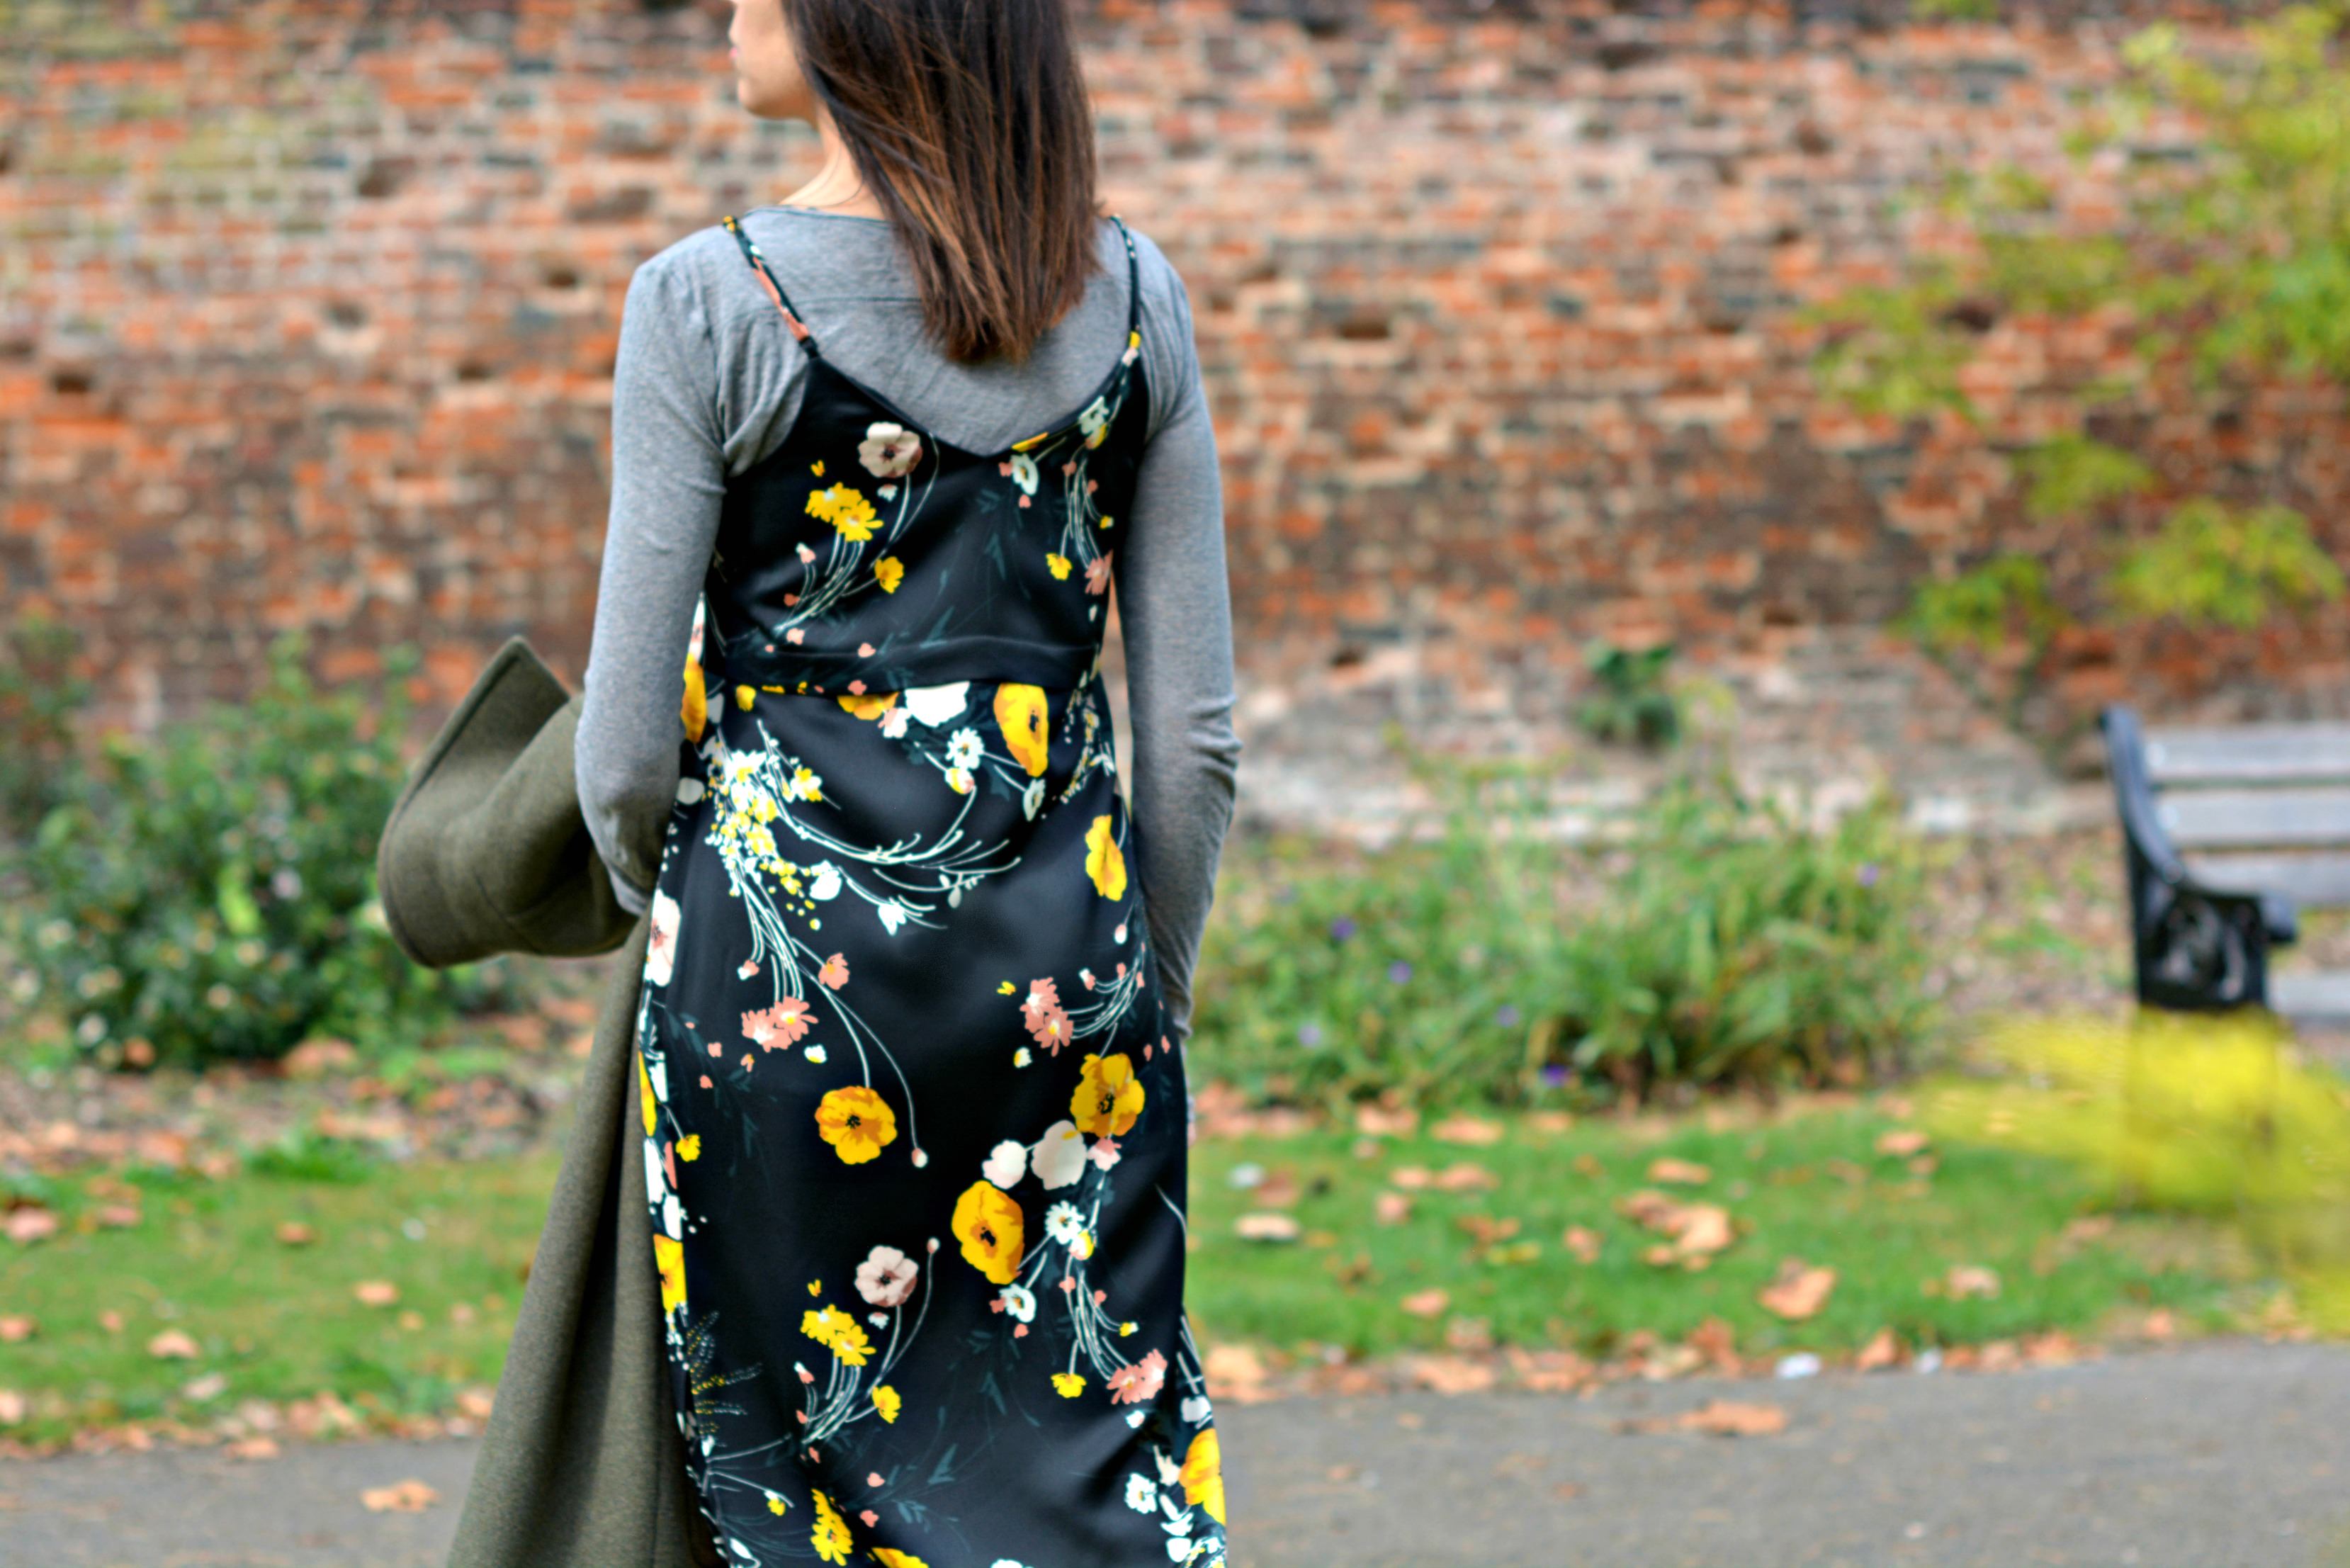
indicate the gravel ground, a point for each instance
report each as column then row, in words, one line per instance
column 2226, row 1455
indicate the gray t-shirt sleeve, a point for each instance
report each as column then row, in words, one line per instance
column 707, row 382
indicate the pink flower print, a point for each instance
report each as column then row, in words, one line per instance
column 835, row 973
column 779, row 1025
column 888, row 450
column 886, row 1277
column 795, row 636
column 1098, row 573
column 1050, row 1029
column 1104, row 1153
column 1042, row 995
column 1139, row 1381
column 750, row 967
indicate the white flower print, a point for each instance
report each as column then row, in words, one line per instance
column 660, row 949
column 827, row 884
column 1141, row 1494
column 888, row 450
column 1060, row 1156
column 1178, row 1549
column 1007, row 1163
column 1023, row 472
column 1094, row 422
column 893, row 722
column 1064, row 1223
column 1032, row 797
column 965, row 749
column 936, row 705
column 1195, row 1410
column 887, row 1276
column 892, row 913
column 1170, row 1472
column 1020, row 1302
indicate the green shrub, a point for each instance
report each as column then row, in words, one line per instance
column 211, row 892
column 39, row 695
column 1715, row 941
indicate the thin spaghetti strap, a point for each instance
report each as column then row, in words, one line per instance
column 1133, row 285
column 767, row 279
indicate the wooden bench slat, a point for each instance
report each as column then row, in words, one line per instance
column 2252, row 818
column 2319, row 998
column 2248, row 753
column 2311, row 881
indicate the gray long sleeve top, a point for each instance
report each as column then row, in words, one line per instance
column 707, row 382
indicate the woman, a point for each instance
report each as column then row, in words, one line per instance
column 911, row 1028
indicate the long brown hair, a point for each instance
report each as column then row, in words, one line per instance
column 968, row 121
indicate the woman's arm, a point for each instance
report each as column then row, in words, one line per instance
column 1175, row 611
column 669, row 478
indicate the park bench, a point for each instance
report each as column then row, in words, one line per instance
column 2230, row 831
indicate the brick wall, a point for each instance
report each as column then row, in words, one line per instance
column 309, row 308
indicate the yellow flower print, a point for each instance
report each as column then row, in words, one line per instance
column 886, row 1401
column 689, row 1148
column 1059, row 562
column 816, row 468
column 1105, row 861
column 776, row 1504
column 888, row 1557
column 830, row 1537
column 745, row 697
column 645, row 1094
column 856, row 1122
column 669, row 1257
column 1202, row 1474
column 869, row 704
column 1021, row 712
column 1108, row 1098
column 889, row 571
column 696, row 708
column 845, row 507
column 1070, row 1384
column 988, row 1223
column 838, row 1332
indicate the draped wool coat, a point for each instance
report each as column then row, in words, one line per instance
column 582, row 1464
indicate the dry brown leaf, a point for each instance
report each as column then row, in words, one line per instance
column 253, row 1449
column 1411, row 1178
column 26, row 1226
column 1427, row 1302
column 171, row 1344
column 14, row 1408
column 375, row 1293
column 1548, row 1122
column 1799, row 1292
column 210, row 1386
column 1466, row 1129
column 1548, row 1371
column 1277, row 1190
column 1234, row 1372
column 475, row 1402
column 1680, row 1172
column 1902, row 1142
column 1883, row 1350
column 1380, row 1122
column 1463, row 1176
column 1266, row 1227
column 1735, row 1418
column 117, row 1216
column 1583, row 1244
column 16, row 1328
column 1451, row 1373
column 1391, row 1208
column 1970, row 1279
column 1717, row 1341
column 293, row 1233
column 401, row 1497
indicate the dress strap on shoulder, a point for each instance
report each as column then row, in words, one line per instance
column 1133, row 285
column 767, row 278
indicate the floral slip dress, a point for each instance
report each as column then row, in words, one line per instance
column 915, row 1135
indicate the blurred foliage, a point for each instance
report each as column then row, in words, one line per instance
column 1710, row 940
column 210, row 892
column 2210, row 1116
column 2227, row 263
column 40, row 696
column 1631, row 699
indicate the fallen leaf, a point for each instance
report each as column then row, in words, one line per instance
column 16, row 1328
column 1411, row 1178
column 12, row 1407
column 1391, row 1208
column 1588, row 1165
column 293, row 1233
column 210, row 1386
column 1451, row 1373
column 26, row 1226
column 1234, row 1372
column 1466, row 1129
column 110, row 1321
column 2160, row 1324
column 1567, row 1492
column 1735, row 1418
column 1680, row 1172
column 375, row 1293
column 1697, row 1230
column 1266, row 1227
column 401, row 1497
column 1970, row 1279
column 1465, row 1177
column 1902, row 1142
column 171, row 1344
column 253, row 1449
column 1799, row 1292
column 1278, row 1190
column 117, row 1216
column 1548, row 1371
column 1717, row 1341
column 1380, row 1122
column 1547, row 1122
column 1427, row 1302
column 1883, row 1350
column 475, row 1402
column 1486, row 1228
column 1583, row 1244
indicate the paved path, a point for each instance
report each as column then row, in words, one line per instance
column 2226, row 1456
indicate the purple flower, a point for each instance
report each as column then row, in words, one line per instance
column 1399, row 971
column 1341, row 928
column 1555, row 1075
column 1309, row 1035
column 1869, row 874
column 1506, row 1014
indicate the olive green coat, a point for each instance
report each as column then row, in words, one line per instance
column 582, row 1464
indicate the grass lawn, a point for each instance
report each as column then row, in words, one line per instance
column 1811, row 1185
column 279, row 1322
